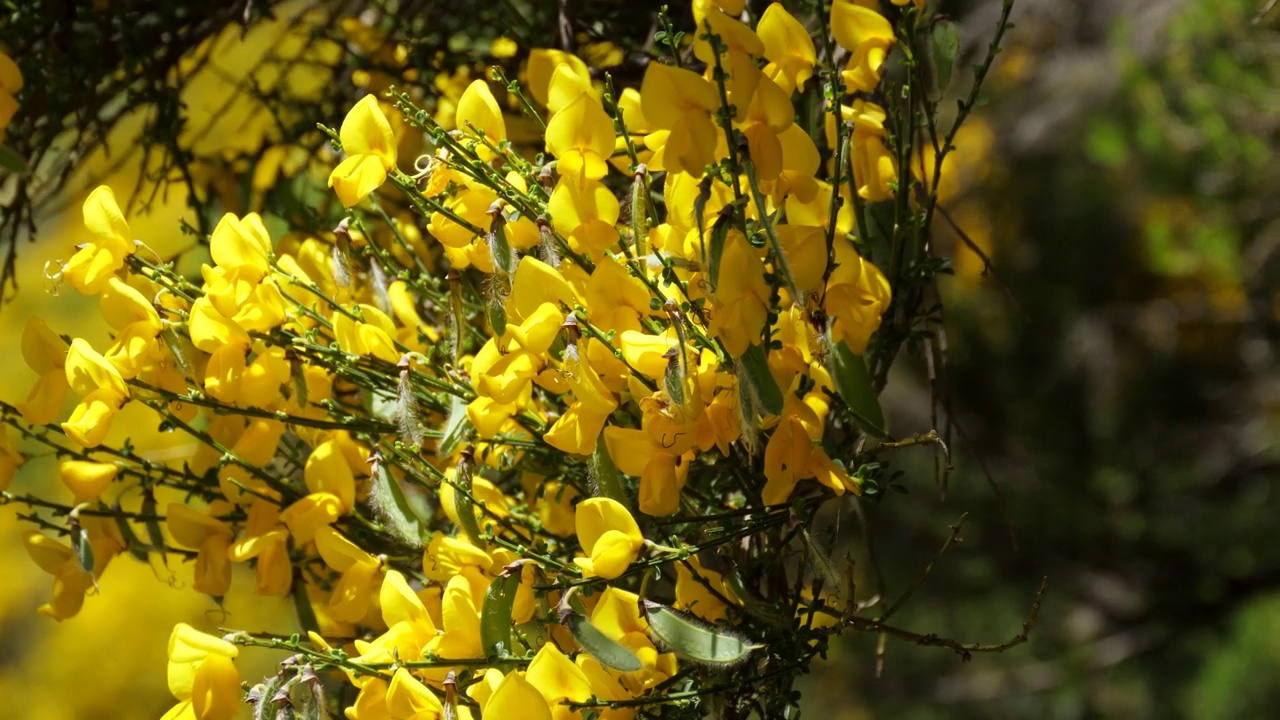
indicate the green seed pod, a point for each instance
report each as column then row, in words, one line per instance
column 393, row 508
column 694, row 641
column 495, row 615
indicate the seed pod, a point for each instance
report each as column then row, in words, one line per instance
column 640, row 210
column 462, row 496
column 495, row 615
column 393, row 508
column 694, row 641
column 457, row 316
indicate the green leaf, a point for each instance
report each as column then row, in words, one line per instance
column 83, row 550
column 132, row 543
column 12, row 161
column 719, row 233
column 754, row 367
column 405, row 519
column 700, row 211
column 775, row 247
column 692, row 640
column 608, row 483
column 598, row 645
column 495, row 615
column 944, row 49
column 456, row 429
column 496, row 314
column 154, row 534
column 853, row 384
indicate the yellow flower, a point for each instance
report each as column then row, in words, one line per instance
column 681, row 102
column 267, row 540
column 873, row 165
column 857, row 296
column 516, row 697
column 608, row 535
column 70, row 581
column 768, row 115
column 788, row 47
column 96, row 261
column 742, row 47
column 577, row 430
column 409, row 699
column 581, row 137
column 867, row 35
column 45, row 353
column 86, row 479
column 355, row 593
column 212, row 538
column 478, row 112
column 202, row 676
column 558, row 680
column 503, row 47
column 741, row 297
column 693, row 595
column 371, row 152
column 103, row 389
column 409, row 630
column 460, row 613
column 585, row 211
column 544, row 64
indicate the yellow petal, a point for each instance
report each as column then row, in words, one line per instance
column 87, row 480
column 215, row 693
column 103, row 218
column 407, row 696
column 516, row 697
column 478, row 111
column 556, row 677
column 365, row 131
column 87, row 371
column 357, row 176
column 91, row 419
column 237, row 243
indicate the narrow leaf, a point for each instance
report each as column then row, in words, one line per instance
column 598, row 644
column 719, row 233
column 12, row 161
column 944, row 48
column 755, row 368
column 456, row 428
column 853, row 384
column 608, row 483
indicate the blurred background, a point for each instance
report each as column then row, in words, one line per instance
column 1113, row 402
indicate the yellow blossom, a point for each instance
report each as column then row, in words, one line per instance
column 371, row 152
column 788, row 47
column 96, row 261
column 609, row 536
column 202, row 676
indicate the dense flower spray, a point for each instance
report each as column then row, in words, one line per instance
column 541, row 429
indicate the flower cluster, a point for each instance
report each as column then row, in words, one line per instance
column 475, row 428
